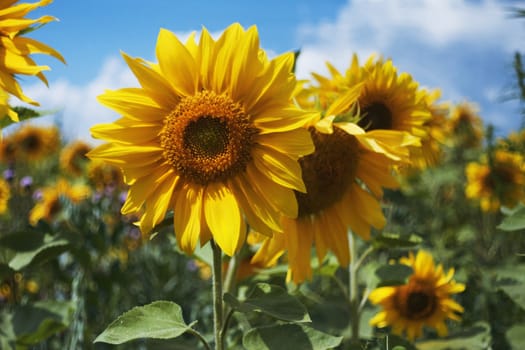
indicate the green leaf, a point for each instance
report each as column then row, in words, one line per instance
column 288, row 336
column 396, row 240
column 515, row 219
column 393, row 274
column 50, row 248
column 516, row 336
column 477, row 337
column 7, row 334
column 24, row 113
column 158, row 320
column 270, row 300
column 34, row 323
column 511, row 280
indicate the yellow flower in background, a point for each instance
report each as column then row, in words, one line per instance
column 465, row 125
column 344, row 179
column 212, row 134
column 49, row 204
column 16, row 47
column 73, row 157
column 103, row 175
column 35, row 143
column 5, row 108
column 425, row 300
column 5, row 194
column 496, row 183
column 8, row 149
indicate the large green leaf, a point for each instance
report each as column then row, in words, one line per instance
column 511, row 280
column 396, row 240
column 516, row 336
column 33, row 323
column 393, row 274
column 24, row 113
column 158, row 320
column 270, row 300
column 50, row 248
column 515, row 219
column 289, row 336
column 475, row 338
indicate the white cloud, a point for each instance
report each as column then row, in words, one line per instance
column 77, row 106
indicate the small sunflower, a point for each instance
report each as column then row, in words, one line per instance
column 35, row 143
column 496, row 182
column 388, row 100
column 465, row 125
column 344, row 179
column 49, row 203
column 8, row 149
column 73, row 157
column 16, row 48
column 211, row 133
column 425, row 300
column 5, row 194
column 103, row 175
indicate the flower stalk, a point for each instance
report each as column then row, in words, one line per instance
column 217, row 295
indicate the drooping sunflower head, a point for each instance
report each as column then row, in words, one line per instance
column 497, row 182
column 5, row 194
column 73, row 157
column 17, row 48
column 465, row 125
column 344, row 180
column 36, row 142
column 212, row 134
column 49, row 203
column 425, row 300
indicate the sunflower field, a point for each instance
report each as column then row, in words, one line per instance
column 235, row 206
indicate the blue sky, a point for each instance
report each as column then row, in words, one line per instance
column 464, row 48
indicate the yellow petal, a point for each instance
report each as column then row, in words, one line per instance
column 297, row 142
column 134, row 103
column 127, row 131
column 278, row 167
column 224, row 218
column 158, row 203
column 176, row 63
column 187, row 217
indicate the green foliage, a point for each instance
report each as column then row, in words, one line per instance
column 271, row 300
column 514, row 219
column 393, row 274
column 288, row 336
column 158, row 320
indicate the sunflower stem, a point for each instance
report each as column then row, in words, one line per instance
column 217, row 295
column 354, row 298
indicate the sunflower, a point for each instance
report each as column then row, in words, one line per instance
column 344, row 178
column 496, row 182
column 49, row 203
column 465, row 125
column 211, row 133
column 16, row 48
column 105, row 176
column 425, row 300
column 73, row 157
column 8, row 149
column 5, row 194
column 34, row 143
column 387, row 100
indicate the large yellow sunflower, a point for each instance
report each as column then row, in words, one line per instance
column 73, row 157
column 344, row 179
column 16, row 48
column 496, row 182
column 388, row 100
column 49, row 201
column 425, row 300
column 5, row 194
column 36, row 142
column 212, row 134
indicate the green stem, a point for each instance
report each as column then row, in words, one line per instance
column 200, row 337
column 217, row 295
column 354, row 299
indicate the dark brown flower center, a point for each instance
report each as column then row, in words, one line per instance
column 208, row 137
column 416, row 301
column 376, row 116
column 328, row 171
